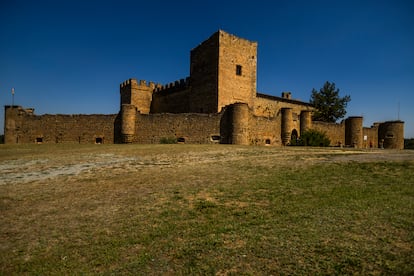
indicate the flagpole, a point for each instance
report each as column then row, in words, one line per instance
column 398, row 110
column 12, row 91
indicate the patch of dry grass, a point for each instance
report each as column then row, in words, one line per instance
column 185, row 209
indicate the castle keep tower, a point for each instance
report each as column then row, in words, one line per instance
column 223, row 72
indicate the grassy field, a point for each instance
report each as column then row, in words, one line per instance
column 205, row 209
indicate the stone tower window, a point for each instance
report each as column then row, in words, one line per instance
column 390, row 135
column 238, row 70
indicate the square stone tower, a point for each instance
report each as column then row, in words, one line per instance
column 223, row 71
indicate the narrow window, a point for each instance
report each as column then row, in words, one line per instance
column 267, row 142
column 390, row 135
column 215, row 138
column 238, row 70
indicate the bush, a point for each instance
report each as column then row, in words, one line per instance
column 313, row 138
column 168, row 140
column 409, row 143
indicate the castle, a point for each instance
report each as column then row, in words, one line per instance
column 217, row 103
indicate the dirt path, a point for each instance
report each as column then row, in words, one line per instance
column 38, row 166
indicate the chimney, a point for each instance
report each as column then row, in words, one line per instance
column 286, row 95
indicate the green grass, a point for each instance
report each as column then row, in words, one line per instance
column 244, row 215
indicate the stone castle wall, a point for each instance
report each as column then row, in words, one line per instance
column 370, row 135
column 265, row 131
column 172, row 98
column 236, row 124
column 189, row 128
column 335, row 132
column 24, row 127
column 269, row 106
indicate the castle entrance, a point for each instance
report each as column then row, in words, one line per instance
column 294, row 137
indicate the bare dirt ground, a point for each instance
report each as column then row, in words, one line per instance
column 35, row 164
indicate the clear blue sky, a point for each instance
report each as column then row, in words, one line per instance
column 70, row 56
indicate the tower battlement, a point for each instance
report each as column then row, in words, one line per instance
column 138, row 94
column 140, row 83
column 173, row 86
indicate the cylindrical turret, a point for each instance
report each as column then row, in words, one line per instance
column 287, row 125
column 305, row 121
column 353, row 132
column 128, row 115
column 240, row 124
column 391, row 135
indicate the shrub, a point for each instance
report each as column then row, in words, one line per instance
column 313, row 138
column 168, row 140
column 409, row 143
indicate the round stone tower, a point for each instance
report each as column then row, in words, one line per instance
column 128, row 115
column 391, row 135
column 354, row 132
column 240, row 124
column 287, row 125
column 305, row 121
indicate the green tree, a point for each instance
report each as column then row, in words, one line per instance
column 329, row 105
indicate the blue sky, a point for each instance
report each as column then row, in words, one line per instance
column 70, row 56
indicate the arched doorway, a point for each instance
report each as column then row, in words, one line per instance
column 294, row 137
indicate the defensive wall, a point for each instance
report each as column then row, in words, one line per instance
column 22, row 126
column 235, row 124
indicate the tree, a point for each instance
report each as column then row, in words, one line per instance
column 329, row 105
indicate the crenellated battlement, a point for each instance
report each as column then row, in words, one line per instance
column 139, row 84
column 128, row 83
column 173, row 86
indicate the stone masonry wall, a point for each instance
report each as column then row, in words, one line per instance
column 187, row 128
column 171, row 101
column 370, row 137
column 271, row 106
column 265, row 131
column 30, row 128
column 335, row 132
